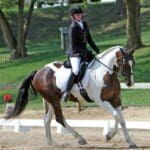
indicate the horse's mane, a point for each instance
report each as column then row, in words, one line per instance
column 104, row 53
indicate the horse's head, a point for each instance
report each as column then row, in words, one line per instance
column 125, row 62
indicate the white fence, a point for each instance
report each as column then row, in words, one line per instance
column 140, row 85
column 17, row 125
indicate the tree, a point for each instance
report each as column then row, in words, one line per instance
column 16, row 44
column 133, row 24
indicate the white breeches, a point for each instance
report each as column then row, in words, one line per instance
column 75, row 63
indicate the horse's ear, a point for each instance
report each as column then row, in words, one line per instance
column 132, row 51
column 118, row 54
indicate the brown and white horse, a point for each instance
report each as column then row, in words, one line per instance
column 101, row 83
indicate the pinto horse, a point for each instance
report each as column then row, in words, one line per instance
column 102, row 86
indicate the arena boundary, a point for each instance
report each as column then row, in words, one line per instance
column 24, row 124
column 140, row 85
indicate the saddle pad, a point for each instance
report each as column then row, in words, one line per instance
column 62, row 76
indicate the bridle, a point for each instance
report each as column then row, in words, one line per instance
column 124, row 60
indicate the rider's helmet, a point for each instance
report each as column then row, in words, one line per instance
column 75, row 10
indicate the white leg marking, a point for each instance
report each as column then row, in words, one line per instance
column 113, row 131
column 108, row 107
column 132, row 77
column 114, row 113
column 47, row 121
column 123, row 125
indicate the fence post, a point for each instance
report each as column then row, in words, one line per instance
column 64, row 37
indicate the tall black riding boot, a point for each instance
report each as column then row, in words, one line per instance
column 68, row 88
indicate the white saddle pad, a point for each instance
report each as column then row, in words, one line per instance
column 62, row 76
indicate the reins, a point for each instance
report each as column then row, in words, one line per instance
column 106, row 66
column 121, row 72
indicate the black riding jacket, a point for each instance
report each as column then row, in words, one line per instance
column 78, row 39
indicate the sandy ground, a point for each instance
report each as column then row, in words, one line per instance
column 36, row 140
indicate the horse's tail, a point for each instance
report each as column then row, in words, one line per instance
column 22, row 98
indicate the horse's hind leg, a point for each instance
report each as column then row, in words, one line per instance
column 81, row 140
column 47, row 120
column 123, row 125
column 45, row 105
column 60, row 119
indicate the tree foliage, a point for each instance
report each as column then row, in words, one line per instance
column 7, row 3
column 146, row 2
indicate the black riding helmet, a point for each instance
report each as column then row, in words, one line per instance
column 75, row 10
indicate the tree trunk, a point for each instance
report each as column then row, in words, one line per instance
column 133, row 24
column 9, row 38
column 21, row 50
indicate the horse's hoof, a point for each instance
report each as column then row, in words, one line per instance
column 133, row 146
column 108, row 137
column 82, row 142
column 52, row 143
column 49, row 143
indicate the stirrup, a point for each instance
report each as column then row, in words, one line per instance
column 65, row 97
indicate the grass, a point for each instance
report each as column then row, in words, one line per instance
column 138, row 97
column 43, row 46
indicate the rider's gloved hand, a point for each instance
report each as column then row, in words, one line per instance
column 98, row 51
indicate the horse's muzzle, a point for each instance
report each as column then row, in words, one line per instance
column 129, row 84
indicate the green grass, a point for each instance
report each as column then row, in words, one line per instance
column 43, row 46
column 136, row 97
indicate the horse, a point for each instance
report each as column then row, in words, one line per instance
column 100, row 81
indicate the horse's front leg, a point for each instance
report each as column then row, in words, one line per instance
column 112, row 131
column 47, row 120
column 123, row 125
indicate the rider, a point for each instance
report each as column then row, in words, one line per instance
column 79, row 35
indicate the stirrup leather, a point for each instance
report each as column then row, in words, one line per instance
column 65, row 97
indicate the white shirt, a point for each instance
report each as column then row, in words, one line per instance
column 80, row 23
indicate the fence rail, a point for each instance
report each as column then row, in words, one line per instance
column 17, row 124
column 140, row 85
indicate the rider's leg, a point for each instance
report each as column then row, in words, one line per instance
column 75, row 63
